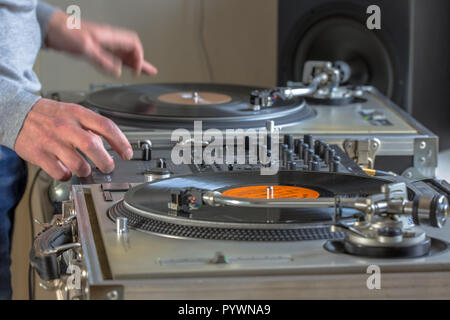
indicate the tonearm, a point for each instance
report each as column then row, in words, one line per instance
column 321, row 79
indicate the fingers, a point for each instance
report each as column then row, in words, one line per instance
column 72, row 160
column 92, row 146
column 50, row 138
column 105, row 60
column 54, row 167
column 62, row 147
column 136, row 53
column 107, row 129
column 126, row 45
column 34, row 144
column 149, row 69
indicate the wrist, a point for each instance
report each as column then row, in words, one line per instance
column 56, row 23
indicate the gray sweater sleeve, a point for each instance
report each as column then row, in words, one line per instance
column 19, row 44
column 15, row 103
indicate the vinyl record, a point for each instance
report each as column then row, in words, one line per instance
column 171, row 106
column 146, row 205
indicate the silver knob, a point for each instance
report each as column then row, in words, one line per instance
column 195, row 96
column 270, row 125
column 121, row 225
column 432, row 211
column 270, row 192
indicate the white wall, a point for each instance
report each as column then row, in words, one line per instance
column 239, row 37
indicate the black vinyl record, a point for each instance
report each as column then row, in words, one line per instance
column 177, row 105
column 146, row 206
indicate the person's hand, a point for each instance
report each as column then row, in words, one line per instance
column 105, row 46
column 53, row 130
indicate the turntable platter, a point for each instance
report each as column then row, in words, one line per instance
column 194, row 98
column 146, row 206
column 170, row 106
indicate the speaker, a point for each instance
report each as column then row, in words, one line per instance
column 336, row 30
column 407, row 59
column 430, row 87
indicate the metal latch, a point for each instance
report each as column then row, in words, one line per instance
column 363, row 151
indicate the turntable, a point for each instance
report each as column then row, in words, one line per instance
column 235, row 233
column 172, row 106
column 156, row 229
column 371, row 129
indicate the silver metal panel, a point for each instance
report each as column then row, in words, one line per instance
column 333, row 127
column 86, row 238
column 150, row 266
column 146, row 256
column 335, row 124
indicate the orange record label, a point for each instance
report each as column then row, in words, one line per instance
column 272, row 192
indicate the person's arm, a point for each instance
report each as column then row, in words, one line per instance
column 53, row 132
column 105, row 46
column 15, row 103
column 44, row 13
